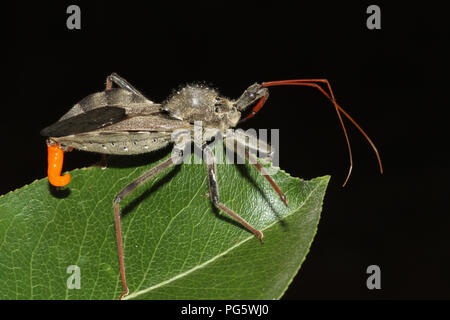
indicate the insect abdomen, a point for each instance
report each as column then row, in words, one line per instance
column 122, row 143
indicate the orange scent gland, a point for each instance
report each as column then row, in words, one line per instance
column 55, row 163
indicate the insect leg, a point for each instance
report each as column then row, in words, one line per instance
column 214, row 193
column 103, row 162
column 242, row 151
column 119, row 197
column 122, row 83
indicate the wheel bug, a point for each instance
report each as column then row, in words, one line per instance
column 122, row 121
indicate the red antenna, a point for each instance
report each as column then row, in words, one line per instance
column 314, row 83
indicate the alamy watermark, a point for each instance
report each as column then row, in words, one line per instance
column 373, row 22
column 236, row 141
column 374, row 280
column 73, row 21
column 74, row 280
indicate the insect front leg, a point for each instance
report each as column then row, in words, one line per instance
column 121, row 195
column 122, row 83
column 238, row 144
column 214, row 193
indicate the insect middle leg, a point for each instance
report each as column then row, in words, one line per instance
column 121, row 195
column 214, row 193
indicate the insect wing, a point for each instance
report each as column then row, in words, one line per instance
column 85, row 122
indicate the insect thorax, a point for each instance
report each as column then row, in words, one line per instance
column 200, row 103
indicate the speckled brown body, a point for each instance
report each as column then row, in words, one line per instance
column 143, row 126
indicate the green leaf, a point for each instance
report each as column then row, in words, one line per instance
column 177, row 245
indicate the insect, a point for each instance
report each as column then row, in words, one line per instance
column 121, row 120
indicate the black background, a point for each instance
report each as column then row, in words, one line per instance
column 392, row 81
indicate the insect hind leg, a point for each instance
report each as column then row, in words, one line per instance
column 120, row 196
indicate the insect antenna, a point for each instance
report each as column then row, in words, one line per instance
column 339, row 109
